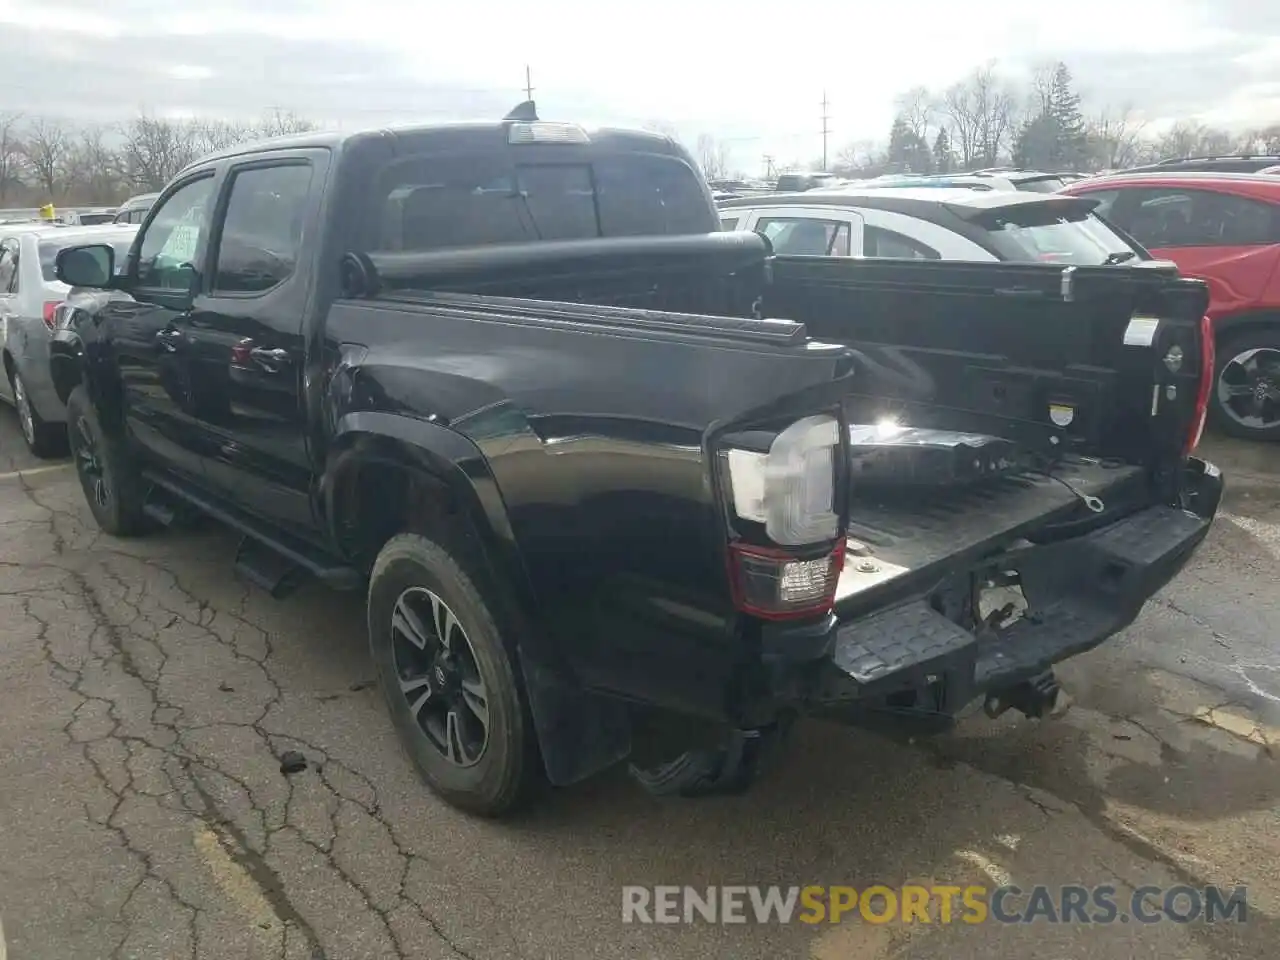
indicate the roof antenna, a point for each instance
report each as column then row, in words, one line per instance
column 525, row 112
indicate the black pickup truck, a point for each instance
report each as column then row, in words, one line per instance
column 510, row 379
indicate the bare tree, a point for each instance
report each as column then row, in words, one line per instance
column 47, row 147
column 209, row 136
column 155, row 150
column 917, row 110
column 92, row 168
column 1187, row 139
column 1115, row 137
column 713, row 157
column 11, row 152
column 280, row 123
column 980, row 114
column 962, row 121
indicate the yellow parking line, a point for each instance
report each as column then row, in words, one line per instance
column 31, row 472
column 1246, row 728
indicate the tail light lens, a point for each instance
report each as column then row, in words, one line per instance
column 50, row 313
column 775, row 584
column 1208, row 360
column 790, row 490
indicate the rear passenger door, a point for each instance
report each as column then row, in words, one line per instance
column 801, row 231
column 247, row 335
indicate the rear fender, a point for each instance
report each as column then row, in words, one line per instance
column 579, row 733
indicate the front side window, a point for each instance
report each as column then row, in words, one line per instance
column 262, row 230
column 805, row 237
column 166, row 257
column 1173, row 217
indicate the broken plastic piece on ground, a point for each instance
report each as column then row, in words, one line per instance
column 291, row 761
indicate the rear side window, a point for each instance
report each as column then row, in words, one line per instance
column 1043, row 232
column 1043, row 185
column 262, row 229
column 433, row 203
column 878, row 242
column 8, row 267
column 805, row 237
column 49, row 251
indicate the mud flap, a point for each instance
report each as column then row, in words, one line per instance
column 579, row 733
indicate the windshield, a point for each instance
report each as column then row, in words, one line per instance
column 1037, row 232
column 432, row 203
column 49, row 250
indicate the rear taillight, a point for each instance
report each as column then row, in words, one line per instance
column 50, row 313
column 776, row 584
column 1208, row 360
column 787, row 495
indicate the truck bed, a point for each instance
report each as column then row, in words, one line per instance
column 937, row 527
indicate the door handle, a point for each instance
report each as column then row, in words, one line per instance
column 270, row 359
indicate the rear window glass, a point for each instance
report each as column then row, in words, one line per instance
column 1042, row 233
column 433, row 203
column 1045, row 185
column 49, row 251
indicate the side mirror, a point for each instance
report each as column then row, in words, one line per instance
column 88, row 266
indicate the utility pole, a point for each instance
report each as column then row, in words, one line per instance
column 825, row 129
column 528, row 83
column 768, row 166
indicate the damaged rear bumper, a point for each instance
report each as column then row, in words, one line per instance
column 911, row 664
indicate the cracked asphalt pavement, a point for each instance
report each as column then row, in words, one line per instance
column 146, row 697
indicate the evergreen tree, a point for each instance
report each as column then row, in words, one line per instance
column 943, row 157
column 1064, row 109
column 908, row 152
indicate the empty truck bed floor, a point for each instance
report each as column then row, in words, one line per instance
column 916, row 529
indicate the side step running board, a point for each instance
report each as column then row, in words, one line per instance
column 268, row 558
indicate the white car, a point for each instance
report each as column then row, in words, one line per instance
column 931, row 223
column 30, row 294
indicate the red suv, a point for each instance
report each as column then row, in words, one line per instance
column 1225, row 229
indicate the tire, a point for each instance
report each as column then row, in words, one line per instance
column 44, row 440
column 1221, row 416
column 112, row 485
column 411, row 574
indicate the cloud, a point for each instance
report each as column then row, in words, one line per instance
column 750, row 72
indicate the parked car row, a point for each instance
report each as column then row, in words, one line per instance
column 30, row 297
column 1215, row 224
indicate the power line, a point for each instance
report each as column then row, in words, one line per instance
column 825, row 129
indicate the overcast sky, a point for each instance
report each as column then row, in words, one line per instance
column 749, row 72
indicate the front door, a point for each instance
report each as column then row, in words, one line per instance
column 148, row 330
column 1230, row 242
column 247, row 332
column 8, row 305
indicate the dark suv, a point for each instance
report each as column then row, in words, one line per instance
column 1241, row 163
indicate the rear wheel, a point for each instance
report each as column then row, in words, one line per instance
column 1245, row 398
column 450, row 680
column 111, row 482
column 44, row 440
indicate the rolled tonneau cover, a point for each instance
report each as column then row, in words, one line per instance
column 721, row 253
